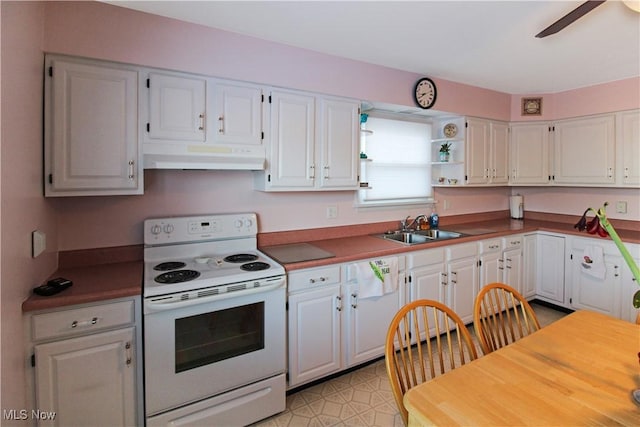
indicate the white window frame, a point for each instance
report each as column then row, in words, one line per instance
column 361, row 195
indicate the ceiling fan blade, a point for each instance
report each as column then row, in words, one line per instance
column 570, row 17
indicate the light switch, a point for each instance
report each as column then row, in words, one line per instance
column 621, row 207
column 38, row 243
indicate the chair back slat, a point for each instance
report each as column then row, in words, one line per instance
column 412, row 359
column 502, row 316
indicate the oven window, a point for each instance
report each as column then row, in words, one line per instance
column 219, row 335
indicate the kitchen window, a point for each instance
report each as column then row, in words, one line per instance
column 397, row 165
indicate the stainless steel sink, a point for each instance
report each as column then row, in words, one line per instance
column 419, row 236
column 438, row 234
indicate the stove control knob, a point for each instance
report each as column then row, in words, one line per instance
column 156, row 229
column 238, row 223
column 168, row 228
column 248, row 223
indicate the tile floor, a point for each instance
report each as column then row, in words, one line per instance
column 359, row 398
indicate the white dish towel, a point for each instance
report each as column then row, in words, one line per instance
column 378, row 277
column 592, row 262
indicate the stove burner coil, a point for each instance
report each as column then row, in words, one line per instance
column 177, row 276
column 170, row 265
column 255, row 266
column 237, row 258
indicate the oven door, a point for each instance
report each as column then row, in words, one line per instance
column 196, row 349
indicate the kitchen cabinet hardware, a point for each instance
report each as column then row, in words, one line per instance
column 354, row 300
column 339, row 303
column 131, row 169
column 83, row 323
column 201, row 126
column 127, row 347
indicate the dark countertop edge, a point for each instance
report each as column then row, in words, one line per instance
column 502, row 228
column 91, row 283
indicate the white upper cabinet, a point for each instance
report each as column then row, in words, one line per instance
column 91, row 136
column 530, row 154
column 339, row 130
column 237, row 113
column 177, row 107
column 628, row 143
column 313, row 143
column 477, row 147
column 499, row 153
column 584, row 151
column 487, row 152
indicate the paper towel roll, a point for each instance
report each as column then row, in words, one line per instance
column 516, row 205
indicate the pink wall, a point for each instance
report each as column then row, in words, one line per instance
column 23, row 207
column 603, row 98
column 102, row 31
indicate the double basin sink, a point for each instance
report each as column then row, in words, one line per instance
column 419, row 236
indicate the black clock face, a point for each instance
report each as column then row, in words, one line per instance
column 425, row 93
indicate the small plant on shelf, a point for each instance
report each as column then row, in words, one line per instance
column 445, row 151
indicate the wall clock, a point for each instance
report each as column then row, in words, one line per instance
column 425, row 93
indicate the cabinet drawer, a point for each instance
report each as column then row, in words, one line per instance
column 81, row 320
column 493, row 245
column 314, row 277
column 428, row 257
column 512, row 242
column 462, row 251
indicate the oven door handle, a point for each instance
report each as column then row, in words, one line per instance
column 158, row 304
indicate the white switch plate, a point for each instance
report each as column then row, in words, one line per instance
column 38, row 243
column 332, row 211
column 621, row 207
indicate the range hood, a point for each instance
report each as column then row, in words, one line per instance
column 200, row 156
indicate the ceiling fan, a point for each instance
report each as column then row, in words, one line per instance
column 570, row 17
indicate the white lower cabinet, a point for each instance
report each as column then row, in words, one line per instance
column 607, row 288
column 491, row 262
column 529, row 244
column 330, row 327
column 550, row 268
column 449, row 276
column 86, row 364
column 513, row 260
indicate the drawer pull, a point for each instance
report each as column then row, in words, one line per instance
column 84, row 323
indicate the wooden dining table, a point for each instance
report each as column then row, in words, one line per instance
column 579, row 370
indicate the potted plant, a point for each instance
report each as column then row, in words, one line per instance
column 445, row 151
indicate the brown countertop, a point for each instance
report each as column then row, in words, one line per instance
column 108, row 273
column 351, row 248
column 93, row 278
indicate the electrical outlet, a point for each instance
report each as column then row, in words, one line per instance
column 621, row 207
column 38, row 243
column 332, row 212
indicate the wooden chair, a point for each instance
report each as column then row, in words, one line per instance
column 409, row 365
column 501, row 315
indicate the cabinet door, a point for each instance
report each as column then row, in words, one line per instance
column 477, row 151
column 491, row 268
column 463, row 287
column 630, row 147
column 367, row 321
column 88, row 380
column 428, row 282
column 513, row 274
column 529, row 146
column 91, row 136
column 499, row 152
column 550, row 268
column 177, row 107
column 529, row 266
column 292, row 159
column 592, row 293
column 628, row 289
column 584, row 151
column 314, row 334
column 237, row 114
column 339, row 143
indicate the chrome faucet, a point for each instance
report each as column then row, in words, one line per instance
column 416, row 222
